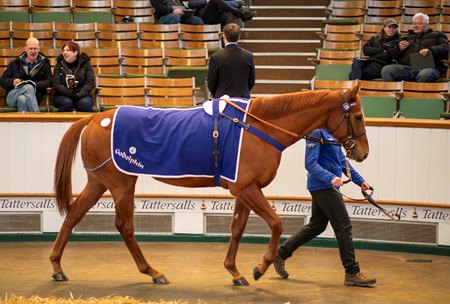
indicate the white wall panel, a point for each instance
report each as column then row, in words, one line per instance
column 34, row 157
column 50, row 139
column 447, row 178
column 421, row 144
column 386, row 161
column 403, row 167
column 438, row 165
column 17, row 146
column 369, row 168
column 404, row 164
column 5, row 159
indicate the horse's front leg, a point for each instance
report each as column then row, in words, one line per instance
column 125, row 225
column 240, row 217
column 254, row 199
column 91, row 193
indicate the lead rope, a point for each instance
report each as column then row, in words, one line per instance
column 261, row 120
column 349, row 175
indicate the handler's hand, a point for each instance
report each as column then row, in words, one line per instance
column 365, row 186
column 337, row 182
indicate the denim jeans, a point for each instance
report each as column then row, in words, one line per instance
column 23, row 98
column 173, row 18
column 327, row 205
column 398, row 72
column 67, row 104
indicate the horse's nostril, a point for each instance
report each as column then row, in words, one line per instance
column 365, row 155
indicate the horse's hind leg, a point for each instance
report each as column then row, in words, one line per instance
column 88, row 197
column 124, row 223
column 240, row 217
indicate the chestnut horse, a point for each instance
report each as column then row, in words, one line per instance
column 286, row 118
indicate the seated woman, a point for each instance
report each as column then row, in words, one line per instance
column 379, row 49
column 73, row 80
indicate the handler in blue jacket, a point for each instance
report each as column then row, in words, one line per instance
column 325, row 164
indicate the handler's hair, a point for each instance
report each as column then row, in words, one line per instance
column 232, row 32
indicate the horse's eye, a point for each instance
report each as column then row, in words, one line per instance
column 358, row 117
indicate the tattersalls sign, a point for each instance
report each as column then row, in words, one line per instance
column 226, row 206
column 27, row 204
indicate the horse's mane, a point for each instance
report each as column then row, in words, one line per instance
column 285, row 103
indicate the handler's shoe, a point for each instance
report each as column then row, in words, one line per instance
column 359, row 279
column 278, row 264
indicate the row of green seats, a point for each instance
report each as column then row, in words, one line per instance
column 63, row 17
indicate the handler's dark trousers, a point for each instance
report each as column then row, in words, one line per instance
column 327, row 205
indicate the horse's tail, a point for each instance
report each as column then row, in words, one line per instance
column 64, row 161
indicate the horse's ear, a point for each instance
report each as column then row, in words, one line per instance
column 353, row 91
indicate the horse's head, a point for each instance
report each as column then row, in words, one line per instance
column 346, row 123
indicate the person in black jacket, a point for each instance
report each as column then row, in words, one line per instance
column 379, row 49
column 231, row 70
column 423, row 40
column 168, row 12
column 27, row 78
column 220, row 11
column 73, row 80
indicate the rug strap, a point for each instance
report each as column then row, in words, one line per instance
column 215, row 135
column 272, row 141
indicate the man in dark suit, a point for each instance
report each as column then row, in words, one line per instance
column 231, row 70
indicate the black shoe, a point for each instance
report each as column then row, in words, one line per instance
column 246, row 16
column 278, row 264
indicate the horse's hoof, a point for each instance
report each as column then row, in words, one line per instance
column 60, row 277
column 256, row 274
column 162, row 280
column 241, row 282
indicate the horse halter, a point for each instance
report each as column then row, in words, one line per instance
column 350, row 143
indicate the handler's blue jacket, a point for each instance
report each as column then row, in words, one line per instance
column 324, row 162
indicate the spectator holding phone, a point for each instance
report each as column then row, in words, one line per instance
column 423, row 40
column 73, row 80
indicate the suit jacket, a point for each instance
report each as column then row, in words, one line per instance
column 231, row 72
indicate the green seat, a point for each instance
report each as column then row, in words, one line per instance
column 89, row 17
column 381, row 107
column 333, row 71
column 422, row 108
column 61, row 17
column 15, row 16
column 445, row 115
column 341, row 21
column 7, row 110
column 199, row 72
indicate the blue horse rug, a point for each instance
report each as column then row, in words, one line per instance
column 175, row 143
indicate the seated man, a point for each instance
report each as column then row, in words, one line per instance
column 168, row 14
column 423, row 40
column 27, row 78
column 220, row 11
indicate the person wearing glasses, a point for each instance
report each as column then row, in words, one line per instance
column 325, row 164
column 423, row 40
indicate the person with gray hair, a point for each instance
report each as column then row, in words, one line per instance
column 423, row 40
